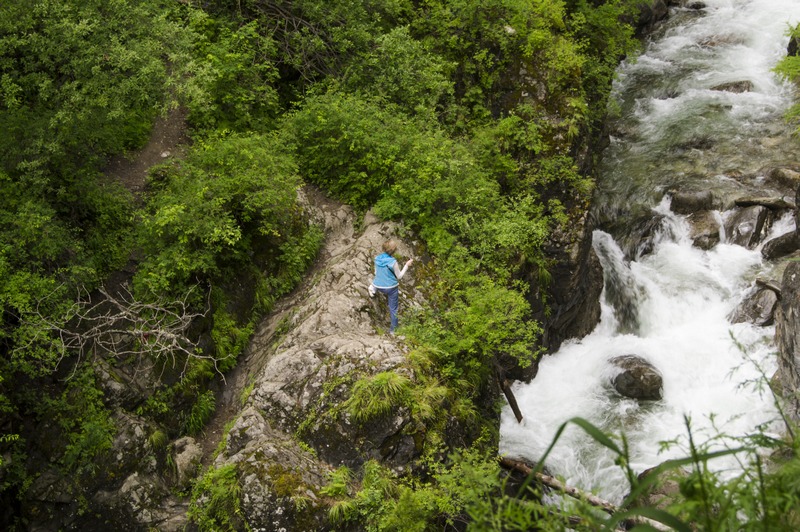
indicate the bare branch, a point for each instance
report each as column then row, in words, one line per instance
column 116, row 324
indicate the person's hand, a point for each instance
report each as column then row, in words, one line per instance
column 408, row 262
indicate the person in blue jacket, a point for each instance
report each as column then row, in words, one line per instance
column 387, row 277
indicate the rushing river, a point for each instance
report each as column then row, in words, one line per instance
column 673, row 132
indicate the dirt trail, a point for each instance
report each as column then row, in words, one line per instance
column 168, row 139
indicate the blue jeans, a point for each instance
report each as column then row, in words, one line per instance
column 393, row 295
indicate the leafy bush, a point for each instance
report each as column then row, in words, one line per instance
column 80, row 81
column 216, row 501
column 401, row 72
column 352, row 146
column 232, row 197
column 230, row 83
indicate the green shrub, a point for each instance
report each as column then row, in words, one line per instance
column 200, row 413
column 230, row 83
column 231, row 198
column 216, row 501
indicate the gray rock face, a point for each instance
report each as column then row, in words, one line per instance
column 276, row 475
column 636, row 378
column 337, row 333
column 758, row 308
column 787, row 338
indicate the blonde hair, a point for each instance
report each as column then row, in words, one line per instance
column 390, row 246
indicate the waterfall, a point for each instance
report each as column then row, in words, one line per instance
column 669, row 303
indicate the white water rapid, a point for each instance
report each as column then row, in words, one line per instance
column 674, row 131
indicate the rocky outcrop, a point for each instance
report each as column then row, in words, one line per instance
column 299, row 370
column 787, row 338
column 636, row 378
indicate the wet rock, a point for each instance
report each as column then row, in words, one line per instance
column 650, row 13
column 757, row 308
column 792, row 47
column 689, row 202
column 704, row 229
column 734, row 86
column 785, row 178
column 663, row 491
column 745, row 226
column 773, row 204
column 781, row 246
column 787, row 339
column 636, row 378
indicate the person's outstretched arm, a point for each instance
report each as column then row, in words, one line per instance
column 400, row 273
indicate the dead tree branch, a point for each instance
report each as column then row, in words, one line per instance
column 117, row 324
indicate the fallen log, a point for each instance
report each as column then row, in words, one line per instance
column 554, row 483
column 506, row 387
column 594, row 500
column 512, row 401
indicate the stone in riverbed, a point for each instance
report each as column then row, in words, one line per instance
column 758, row 308
column 704, row 230
column 636, row 378
column 689, row 202
column 781, row 246
column 734, row 86
column 745, row 226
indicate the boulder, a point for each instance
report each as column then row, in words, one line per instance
column 663, row 489
column 689, row 202
column 784, row 178
column 781, row 246
column 704, row 229
column 734, row 86
column 757, row 308
column 636, row 378
column 650, row 13
column 745, row 226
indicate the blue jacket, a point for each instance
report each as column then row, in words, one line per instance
column 384, row 271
